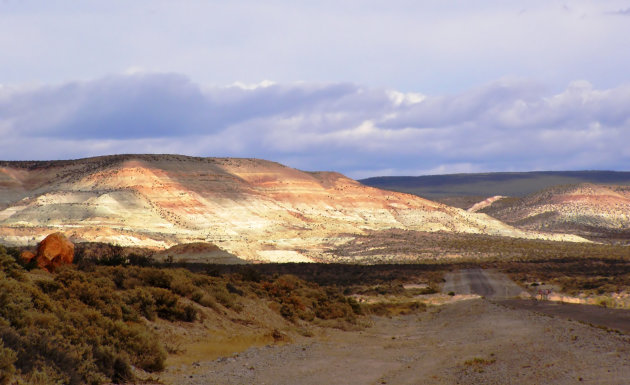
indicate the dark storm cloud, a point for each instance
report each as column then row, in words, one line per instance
column 157, row 105
column 116, row 107
column 360, row 131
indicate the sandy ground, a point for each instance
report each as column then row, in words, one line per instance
column 616, row 319
column 473, row 341
column 498, row 287
column 468, row 342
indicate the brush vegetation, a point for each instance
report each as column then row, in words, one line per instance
column 89, row 324
column 93, row 322
column 573, row 276
column 422, row 247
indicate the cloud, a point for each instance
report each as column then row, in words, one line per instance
column 503, row 126
column 621, row 12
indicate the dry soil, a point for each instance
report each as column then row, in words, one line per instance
column 467, row 342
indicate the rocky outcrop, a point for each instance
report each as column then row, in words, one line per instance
column 55, row 250
column 27, row 256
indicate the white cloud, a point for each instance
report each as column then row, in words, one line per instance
column 408, row 98
column 361, row 131
column 253, row 86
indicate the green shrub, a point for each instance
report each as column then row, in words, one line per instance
column 75, row 329
column 331, row 310
column 156, row 277
column 154, row 301
column 233, row 289
column 144, row 303
column 223, row 296
column 9, row 265
column 286, row 311
column 355, row 306
column 88, row 324
column 115, row 366
column 7, row 359
column 204, row 299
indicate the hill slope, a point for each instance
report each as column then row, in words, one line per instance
column 256, row 209
column 597, row 211
column 517, row 184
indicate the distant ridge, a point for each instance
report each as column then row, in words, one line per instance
column 517, row 184
column 595, row 211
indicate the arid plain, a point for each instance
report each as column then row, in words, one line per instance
column 243, row 271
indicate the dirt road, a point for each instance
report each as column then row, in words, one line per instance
column 486, row 283
column 616, row 319
column 475, row 341
column 498, row 287
column 468, row 342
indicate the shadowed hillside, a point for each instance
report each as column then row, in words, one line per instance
column 254, row 209
column 516, row 184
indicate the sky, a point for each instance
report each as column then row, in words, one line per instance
column 363, row 87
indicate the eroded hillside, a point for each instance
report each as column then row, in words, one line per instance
column 598, row 211
column 256, row 209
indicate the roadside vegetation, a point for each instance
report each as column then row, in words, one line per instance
column 94, row 322
column 573, row 276
column 90, row 324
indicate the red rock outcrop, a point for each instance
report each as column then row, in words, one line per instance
column 27, row 256
column 55, row 250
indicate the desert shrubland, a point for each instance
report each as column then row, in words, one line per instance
column 91, row 324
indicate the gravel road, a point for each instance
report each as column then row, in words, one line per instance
column 616, row 319
column 486, row 283
column 467, row 342
column 498, row 287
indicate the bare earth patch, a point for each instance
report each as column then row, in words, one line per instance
column 466, row 342
column 615, row 319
